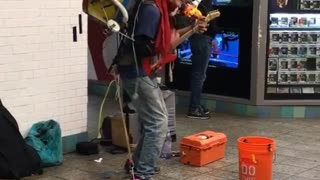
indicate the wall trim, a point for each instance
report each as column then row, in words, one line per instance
column 245, row 110
column 238, row 107
column 69, row 142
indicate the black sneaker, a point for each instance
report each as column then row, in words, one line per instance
column 126, row 109
column 204, row 109
column 197, row 114
column 143, row 178
column 127, row 168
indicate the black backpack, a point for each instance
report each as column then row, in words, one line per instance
column 17, row 159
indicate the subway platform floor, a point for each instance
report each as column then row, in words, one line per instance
column 297, row 149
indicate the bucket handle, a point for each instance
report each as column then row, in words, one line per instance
column 274, row 153
column 253, row 157
column 274, row 157
column 269, row 149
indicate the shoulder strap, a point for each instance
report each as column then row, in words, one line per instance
column 149, row 2
column 133, row 12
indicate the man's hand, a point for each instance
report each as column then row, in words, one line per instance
column 202, row 25
column 175, row 34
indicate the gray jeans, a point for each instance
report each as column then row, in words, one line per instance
column 153, row 117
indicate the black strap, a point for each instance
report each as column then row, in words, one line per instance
column 8, row 115
column 11, row 170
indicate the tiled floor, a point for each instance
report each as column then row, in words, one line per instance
column 297, row 149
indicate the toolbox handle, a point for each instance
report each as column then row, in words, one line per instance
column 207, row 136
column 202, row 141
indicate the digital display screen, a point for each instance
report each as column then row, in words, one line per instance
column 238, row 3
column 221, row 2
column 224, row 51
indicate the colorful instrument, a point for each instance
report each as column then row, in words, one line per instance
column 151, row 65
column 104, row 10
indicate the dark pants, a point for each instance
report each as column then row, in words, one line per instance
column 201, row 49
column 126, row 98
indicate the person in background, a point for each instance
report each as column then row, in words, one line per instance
column 201, row 44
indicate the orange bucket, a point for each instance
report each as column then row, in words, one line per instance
column 255, row 158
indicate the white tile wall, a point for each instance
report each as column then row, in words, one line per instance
column 43, row 73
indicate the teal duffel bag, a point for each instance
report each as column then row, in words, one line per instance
column 45, row 138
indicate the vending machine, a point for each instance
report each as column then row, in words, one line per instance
column 293, row 50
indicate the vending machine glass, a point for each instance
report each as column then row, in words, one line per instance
column 293, row 50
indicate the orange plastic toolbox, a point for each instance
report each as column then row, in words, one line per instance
column 203, row 148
